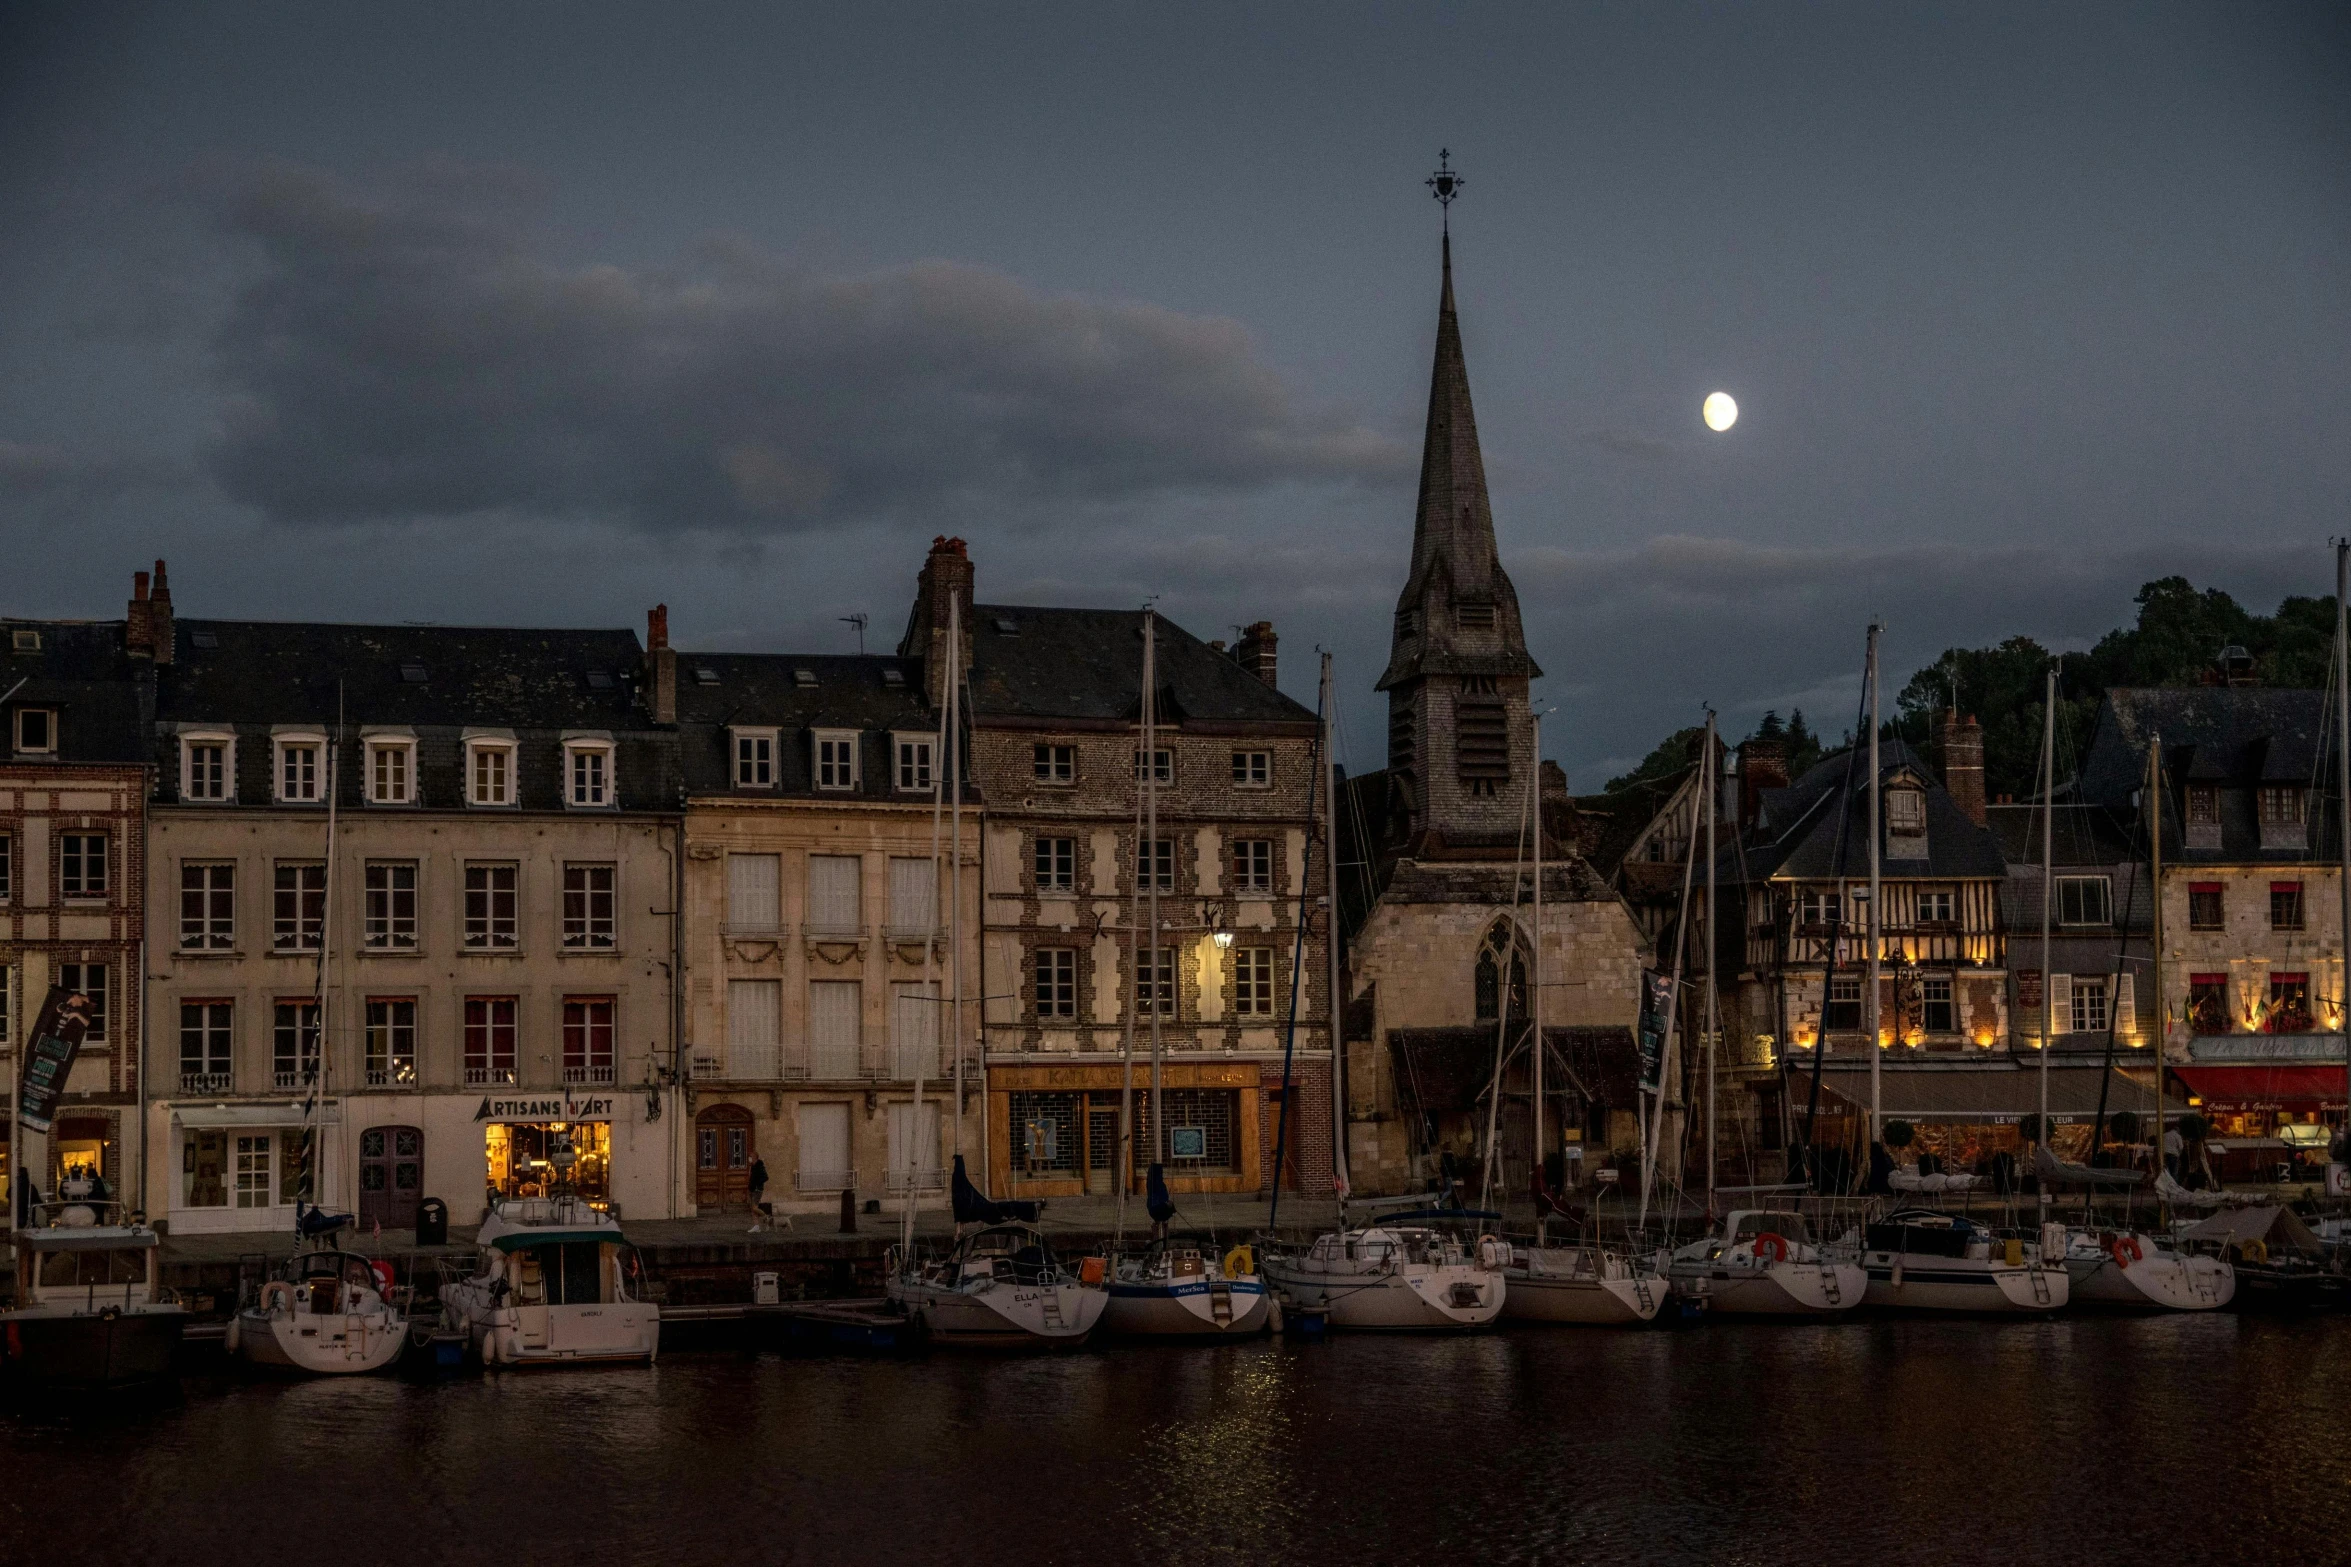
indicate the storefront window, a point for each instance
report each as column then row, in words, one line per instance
column 83, row 1150
column 522, row 1164
column 1045, row 1133
column 1202, row 1130
column 255, row 1162
column 203, row 1170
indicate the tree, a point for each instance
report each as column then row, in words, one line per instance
column 1675, row 752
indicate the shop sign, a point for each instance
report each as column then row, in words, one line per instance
column 1187, row 1142
column 57, row 1038
column 548, row 1107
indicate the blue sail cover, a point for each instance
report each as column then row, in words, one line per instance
column 1156, row 1201
column 312, row 1222
column 972, row 1205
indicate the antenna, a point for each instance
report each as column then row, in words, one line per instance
column 859, row 621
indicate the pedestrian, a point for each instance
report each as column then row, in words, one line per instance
column 758, row 1191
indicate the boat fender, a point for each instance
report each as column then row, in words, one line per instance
column 234, row 1337
column 277, row 1295
column 2255, row 1252
column 1493, row 1253
column 1771, row 1246
column 2127, row 1250
column 1239, row 1262
column 383, row 1272
column 1091, row 1271
column 502, row 1345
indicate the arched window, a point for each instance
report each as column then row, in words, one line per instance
column 1501, row 940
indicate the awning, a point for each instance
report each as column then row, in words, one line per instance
column 208, row 1118
column 2284, row 1086
column 1974, row 1090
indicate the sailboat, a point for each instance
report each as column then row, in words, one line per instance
column 1589, row 1284
column 1173, row 1288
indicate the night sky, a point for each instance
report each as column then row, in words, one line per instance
column 417, row 313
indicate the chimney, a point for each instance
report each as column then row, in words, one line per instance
column 138, row 637
column 1763, row 764
column 160, row 635
column 945, row 585
column 1963, row 764
column 1254, row 652
column 661, row 665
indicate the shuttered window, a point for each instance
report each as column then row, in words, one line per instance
column 832, row 892
column 913, row 895
column 755, row 1014
column 914, row 1030
column 914, row 1147
column 833, row 1031
column 824, row 1149
column 754, row 892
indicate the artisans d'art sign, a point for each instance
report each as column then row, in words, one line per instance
column 57, row 1039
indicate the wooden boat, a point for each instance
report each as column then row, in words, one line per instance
column 88, row 1313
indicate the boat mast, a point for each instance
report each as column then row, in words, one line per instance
column 1159, row 975
column 930, row 944
column 2154, row 797
column 1535, row 988
column 1125, row 1174
column 2048, row 891
column 315, row 1128
column 954, row 891
column 1331, row 939
column 1710, row 790
column 2343, row 800
column 1876, row 926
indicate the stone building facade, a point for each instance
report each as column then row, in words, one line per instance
column 73, row 793
column 496, row 921
column 1054, row 713
column 822, row 968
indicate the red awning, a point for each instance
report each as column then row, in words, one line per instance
column 2298, row 1086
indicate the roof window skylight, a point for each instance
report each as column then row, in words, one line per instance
column 600, row 679
column 412, row 674
column 204, row 638
column 804, row 677
column 893, row 677
column 704, row 675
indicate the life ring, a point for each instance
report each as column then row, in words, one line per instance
column 275, row 1292
column 2127, row 1250
column 1771, row 1246
column 2254, row 1251
column 1240, row 1262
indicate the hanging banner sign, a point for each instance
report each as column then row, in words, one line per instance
column 1656, row 1013
column 57, row 1038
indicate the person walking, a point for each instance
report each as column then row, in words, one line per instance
column 758, row 1192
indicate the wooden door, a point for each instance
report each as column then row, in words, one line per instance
column 723, row 1153
column 391, row 1176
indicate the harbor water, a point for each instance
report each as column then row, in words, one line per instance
column 2180, row 1439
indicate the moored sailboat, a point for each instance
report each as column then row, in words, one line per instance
column 1922, row 1259
column 1765, row 1263
column 1398, row 1276
column 327, row 1312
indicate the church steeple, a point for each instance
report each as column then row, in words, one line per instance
column 1458, row 665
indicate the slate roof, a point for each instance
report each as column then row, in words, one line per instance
column 2233, row 738
column 763, row 690
column 1798, row 837
column 1081, row 667
column 542, row 684
column 81, row 671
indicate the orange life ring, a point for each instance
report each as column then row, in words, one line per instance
column 2127, row 1250
column 275, row 1291
column 1771, row 1246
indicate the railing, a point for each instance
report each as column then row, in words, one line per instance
column 398, row 1074
column 481, row 1076
column 828, row 1064
column 748, row 1062
column 823, row 932
column 825, row 1180
column 204, row 1082
column 587, row 1074
column 903, row 1181
column 902, row 1063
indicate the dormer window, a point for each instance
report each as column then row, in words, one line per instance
column 489, row 772
column 391, row 771
column 914, row 762
column 36, row 731
column 1906, row 812
column 755, row 759
column 208, row 766
column 587, row 773
column 2203, row 804
column 2281, row 805
column 301, row 769
column 836, row 758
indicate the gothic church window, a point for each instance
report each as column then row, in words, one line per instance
column 1501, row 945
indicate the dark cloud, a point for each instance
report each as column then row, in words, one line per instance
column 410, row 356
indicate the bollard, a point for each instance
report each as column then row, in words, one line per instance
column 848, row 1213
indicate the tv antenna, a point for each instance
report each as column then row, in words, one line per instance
column 858, row 620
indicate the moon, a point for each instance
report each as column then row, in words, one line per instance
column 1720, row 412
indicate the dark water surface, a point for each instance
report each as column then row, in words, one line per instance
column 2154, row 1440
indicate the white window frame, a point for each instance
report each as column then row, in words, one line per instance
column 1253, row 769
column 282, row 747
column 596, row 790
column 1162, row 765
column 1057, row 768
column 827, row 763
column 225, row 741
column 379, row 748
column 476, row 750
column 1912, row 800
column 913, row 760
column 17, row 732
column 755, row 758
column 78, row 890
column 2105, row 899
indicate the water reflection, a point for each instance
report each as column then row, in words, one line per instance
column 2184, row 1439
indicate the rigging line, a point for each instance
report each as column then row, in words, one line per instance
column 1508, row 971
column 1820, row 1039
column 1281, row 1131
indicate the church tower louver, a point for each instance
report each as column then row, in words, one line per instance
column 1459, row 747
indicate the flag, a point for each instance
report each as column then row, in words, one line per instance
column 57, row 1038
column 1656, row 1014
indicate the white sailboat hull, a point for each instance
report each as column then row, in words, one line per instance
column 316, row 1344
column 1776, row 1289
column 1964, row 1284
column 1593, row 1302
column 2158, row 1281
column 1416, row 1298
column 1187, row 1310
column 991, row 1313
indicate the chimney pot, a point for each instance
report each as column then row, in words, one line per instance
column 1255, row 651
column 1763, row 764
column 657, row 626
column 661, row 665
column 942, row 597
column 1963, row 764
column 161, row 637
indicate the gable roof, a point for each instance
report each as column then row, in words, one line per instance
column 764, row 690
column 1084, row 667
column 2241, row 736
column 1818, row 828
column 80, row 670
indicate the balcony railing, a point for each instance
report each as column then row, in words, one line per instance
column 576, row 1073
column 901, row 1063
column 398, row 1074
column 478, row 1076
column 825, row 1181
column 204, row 1082
column 828, row 1064
column 755, row 1063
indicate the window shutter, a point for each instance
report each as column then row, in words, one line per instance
column 754, row 1026
column 2061, row 1003
column 833, row 1007
column 824, row 1148
column 913, row 901
column 914, row 1029
column 2126, row 1006
column 912, row 1151
column 753, row 886
column 832, row 892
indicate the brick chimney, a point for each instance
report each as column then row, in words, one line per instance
column 138, row 637
column 661, row 665
column 1255, row 651
column 161, row 637
column 1763, row 764
column 945, row 585
column 1963, row 764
